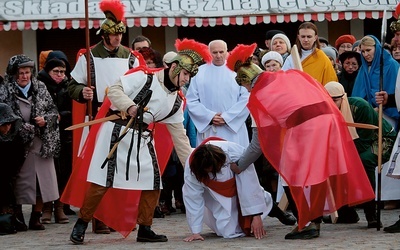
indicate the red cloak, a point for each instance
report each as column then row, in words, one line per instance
column 305, row 137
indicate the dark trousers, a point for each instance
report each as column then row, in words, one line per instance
column 292, row 205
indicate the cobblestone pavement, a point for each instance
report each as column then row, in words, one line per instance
column 333, row 236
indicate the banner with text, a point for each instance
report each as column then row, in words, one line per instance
column 40, row 10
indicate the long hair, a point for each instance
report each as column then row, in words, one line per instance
column 307, row 25
column 205, row 159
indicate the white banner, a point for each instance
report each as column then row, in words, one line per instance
column 39, row 10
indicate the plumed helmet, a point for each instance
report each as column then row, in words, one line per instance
column 114, row 11
column 395, row 25
column 239, row 60
column 190, row 56
column 8, row 116
column 19, row 61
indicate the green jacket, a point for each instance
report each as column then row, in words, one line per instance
column 363, row 112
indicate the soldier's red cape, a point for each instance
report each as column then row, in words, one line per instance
column 119, row 208
column 304, row 136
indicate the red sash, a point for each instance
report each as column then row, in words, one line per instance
column 228, row 189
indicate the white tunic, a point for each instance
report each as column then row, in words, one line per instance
column 104, row 76
column 214, row 90
column 114, row 173
column 220, row 213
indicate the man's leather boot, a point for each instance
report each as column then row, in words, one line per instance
column 283, row 216
column 370, row 214
column 99, row 227
column 78, row 233
column 145, row 234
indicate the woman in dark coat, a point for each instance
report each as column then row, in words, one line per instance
column 351, row 62
column 55, row 75
column 10, row 145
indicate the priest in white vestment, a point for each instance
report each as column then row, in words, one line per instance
column 216, row 103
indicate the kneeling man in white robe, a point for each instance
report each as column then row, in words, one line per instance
column 231, row 205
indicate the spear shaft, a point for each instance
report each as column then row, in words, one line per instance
column 380, row 115
column 88, row 75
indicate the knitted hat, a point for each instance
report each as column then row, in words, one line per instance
column 61, row 56
column 272, row 33
column 114, row 11
column 272, row 55
column 344, row 39
column 190, row 56
column 239, row 60
column 53, row 63
column 330, row 52
column 284, row 38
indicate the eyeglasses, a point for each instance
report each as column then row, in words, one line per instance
column 56, row 71
column 346, row 46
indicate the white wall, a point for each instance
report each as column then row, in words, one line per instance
column 29, row 47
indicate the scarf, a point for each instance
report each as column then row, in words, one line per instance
column 367, row 81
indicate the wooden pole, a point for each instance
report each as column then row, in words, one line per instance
column 380, row 116
column 88, row 75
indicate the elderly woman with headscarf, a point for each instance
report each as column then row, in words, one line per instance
column 367, row 82
column 29, row 99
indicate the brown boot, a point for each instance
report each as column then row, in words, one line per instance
column 99, row 227
column 59, row 215
column 47, row 212
column 34, row 221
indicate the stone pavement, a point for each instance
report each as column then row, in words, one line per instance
column 333, row 236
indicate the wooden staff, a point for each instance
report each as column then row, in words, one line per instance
column 87, row 36
column 380, row 115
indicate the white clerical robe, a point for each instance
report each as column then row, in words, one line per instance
column 214, row 90
column 218, row 212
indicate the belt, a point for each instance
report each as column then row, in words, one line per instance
column 124, row 122
column 307, row 112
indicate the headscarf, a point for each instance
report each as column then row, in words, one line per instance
column 367, row 81
column 336, row 90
